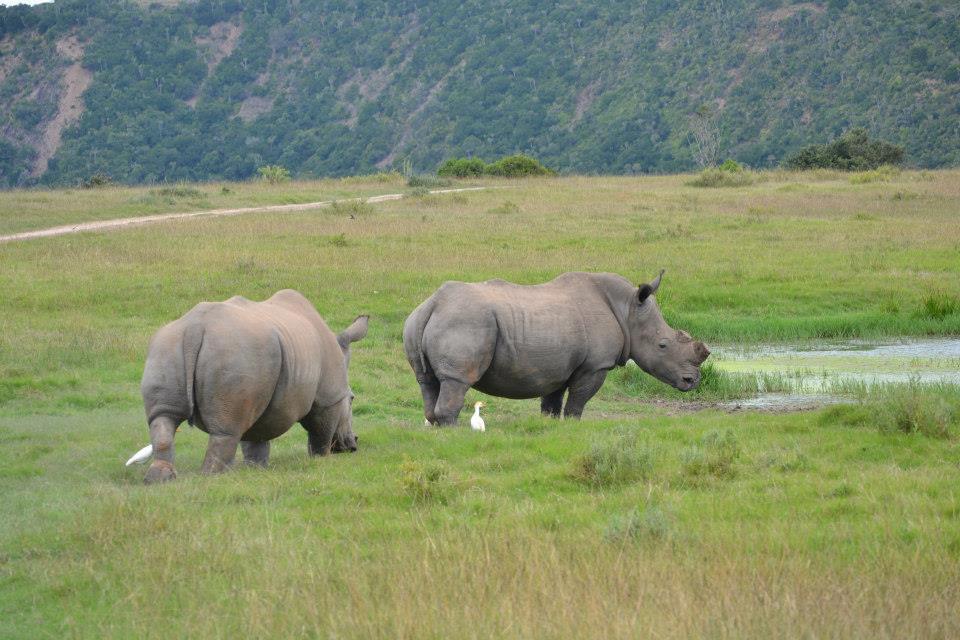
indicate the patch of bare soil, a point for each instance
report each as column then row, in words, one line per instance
column 75, row 81
column 427, row 100
column 584, row 100
column 215, row 47
column 768, row 24
column 253, row 107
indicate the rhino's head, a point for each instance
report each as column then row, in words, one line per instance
column 344, row 439
column 669, row 355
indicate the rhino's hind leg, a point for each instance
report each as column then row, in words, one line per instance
column 450, row 401
column 552, row 403
column 256, row 453
column 430, row 391
column 162, row 430
column 582, row 388
column 221, row 450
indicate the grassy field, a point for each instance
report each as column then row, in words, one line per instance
column 653, row 516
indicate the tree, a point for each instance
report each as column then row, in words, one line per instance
column 706, row 136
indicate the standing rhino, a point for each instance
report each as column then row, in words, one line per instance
column 518, row 341
column 244, row 372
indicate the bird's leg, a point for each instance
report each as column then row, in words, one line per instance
column 162, row 430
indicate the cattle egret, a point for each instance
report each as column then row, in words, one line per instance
column 476, row 422
column 141, row 456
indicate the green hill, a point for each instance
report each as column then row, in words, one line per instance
column 166, row 91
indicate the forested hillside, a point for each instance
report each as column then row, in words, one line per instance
column 165, row 91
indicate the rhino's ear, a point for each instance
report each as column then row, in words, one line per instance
column 354, row 332
column 647, row 290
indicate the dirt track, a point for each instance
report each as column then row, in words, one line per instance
column 101, row 225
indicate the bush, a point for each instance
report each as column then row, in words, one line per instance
column 619, row 461
column 462, row 168
column 731, row 165
column 97, row 180
column 721, row 178
column 274, row 173
column 853, row 151
column 518, row 166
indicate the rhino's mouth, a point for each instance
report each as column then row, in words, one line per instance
column 688, row 381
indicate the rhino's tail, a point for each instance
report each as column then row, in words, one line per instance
column 413, row 330
column 192, row 341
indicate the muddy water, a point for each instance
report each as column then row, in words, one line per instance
column 818, row 374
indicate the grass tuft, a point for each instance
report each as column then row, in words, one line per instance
column 714, row 456
column 621, row 460
column 647, row 524
column 354, row 208
column 425, row 482
column 938, row 306
column 713, row 178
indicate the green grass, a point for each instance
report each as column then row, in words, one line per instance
column 645, row 519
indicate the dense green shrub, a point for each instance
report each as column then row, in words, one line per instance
column 515, row 166
column 462, row 168
column 518, row 166
column 853, row 151
column 274, row 174
column 731, row 165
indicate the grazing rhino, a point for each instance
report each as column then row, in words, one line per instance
column 518, row 341
column 244, row 372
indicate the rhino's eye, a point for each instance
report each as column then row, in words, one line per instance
column 663, row 344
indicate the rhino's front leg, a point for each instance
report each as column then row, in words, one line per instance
column 582, row 388
column 162, row 431
column 552, row 403
column 321, row 425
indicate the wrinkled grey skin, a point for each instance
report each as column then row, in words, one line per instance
column 245, row 372
column 516, row 341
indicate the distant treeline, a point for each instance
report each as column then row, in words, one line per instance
column 214, row 89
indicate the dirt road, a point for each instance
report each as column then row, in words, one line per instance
column 105, row 225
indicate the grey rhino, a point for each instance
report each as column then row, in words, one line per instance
column 543, row 340
column 244, row 372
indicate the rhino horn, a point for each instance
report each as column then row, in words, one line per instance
column 647, row 290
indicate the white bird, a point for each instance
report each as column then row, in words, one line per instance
column 141, row 456
column 476, row 422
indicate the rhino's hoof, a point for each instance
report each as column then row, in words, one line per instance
column 159, row 471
